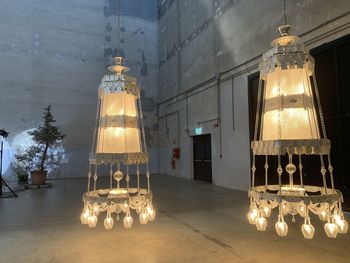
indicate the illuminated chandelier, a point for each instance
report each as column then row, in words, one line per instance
column 287, row 122
column 118, row 142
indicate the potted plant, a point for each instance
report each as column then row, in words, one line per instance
column 21, row 168
column 39, row 156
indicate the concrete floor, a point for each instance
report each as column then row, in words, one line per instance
column 196, row 222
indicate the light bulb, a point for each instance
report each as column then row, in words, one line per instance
column 143, row 218
column 151, row 213
column 281, row 228
column 308, row 230
column 125, row 206
column 139, row 209
column 128, row 220
column 331, row 230
column 84, row 217
column 92, row 221
column 96, row 209
column 260, row 223
column 266, row 211
column 342, row 225
column 284, row 209
column 324, row 212
column 302, row 210
column 108, row 222
column 252, row 214
column 336, row 217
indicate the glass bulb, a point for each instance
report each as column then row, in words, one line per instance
column 281, row 228
column 84, row 217
column 260, row 223
column 92, row 221
column 266, row 211
column 125, row 206
column 128, row 220
column 143, row 218
column 284, row 209
column 308, row 230
column 302, row 210
column 342, row 225
column 108, row 222
column 151, row 213
column 252, row 214
column 139, row 209
column 96, row 209
column 331, row 230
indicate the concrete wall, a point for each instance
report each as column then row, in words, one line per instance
column 55, row 52
column 221, row 41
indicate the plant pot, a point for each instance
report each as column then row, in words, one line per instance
column 38, row 177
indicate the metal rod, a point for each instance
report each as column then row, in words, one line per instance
column 323, row 172
column 301, row 172
column 330, row 169
column 253, row 171
column 266, row 170
column 291, row 183
column 279, row 172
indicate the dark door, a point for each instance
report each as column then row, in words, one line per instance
column 202, row 158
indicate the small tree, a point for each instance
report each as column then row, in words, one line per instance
column 44, row 136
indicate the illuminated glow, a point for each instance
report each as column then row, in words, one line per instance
column 108, row 222
column 308, row 230
column 198, row 130
column 143, row 218
column 281, row 228
column 260, row 223
column 331, row 230
column 92, row 221
column 252, row 215
column 128, row 220
column 84, row 217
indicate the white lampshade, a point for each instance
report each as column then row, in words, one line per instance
column 118, row 130
column 289, row 112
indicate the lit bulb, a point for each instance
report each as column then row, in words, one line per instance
column 92, row 221
column 308, row 230
column 151, row 213
column 118, row 131
column 252, row 216
column 302, row 210
column 266, row 211
column 284, row 209
column 281, row 228
column 260, row 223
column 143, row 218
column 323, row 214
column 342, row 225
column 336, row 217
column 108, row 223
column 125, row 205
column 128, row 221
column 96, row 209
column 139, row 209
column 331, row 230
column 84, row 217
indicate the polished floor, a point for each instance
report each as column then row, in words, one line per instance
column 196, row 222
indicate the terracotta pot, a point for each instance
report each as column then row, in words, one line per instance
column 38, row 177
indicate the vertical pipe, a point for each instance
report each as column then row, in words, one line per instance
column 95, row 178
column 138, row 176
column 110, row 175
column 291, row 183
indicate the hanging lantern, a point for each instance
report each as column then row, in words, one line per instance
column 288, row 121
column 119, row 142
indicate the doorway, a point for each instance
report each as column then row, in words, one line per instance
column 202, row 168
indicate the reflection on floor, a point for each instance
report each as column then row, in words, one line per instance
column 196, row 222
